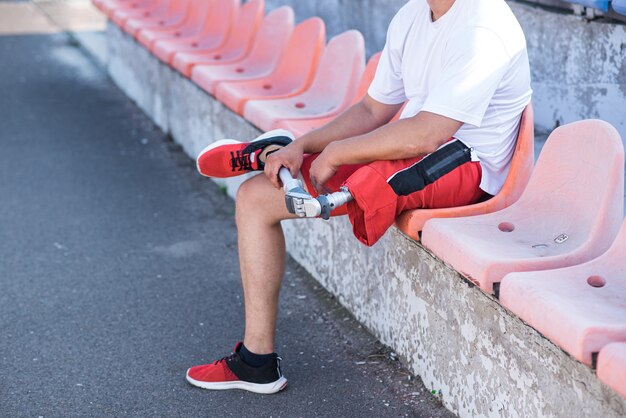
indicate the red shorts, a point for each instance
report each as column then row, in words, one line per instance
column 384, row 189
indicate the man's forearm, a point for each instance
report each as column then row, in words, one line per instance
column 359, row 119
column 406, row 138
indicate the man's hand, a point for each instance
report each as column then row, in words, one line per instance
column 290, row 157
column 323, row 168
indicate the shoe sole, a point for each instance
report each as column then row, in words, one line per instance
column 224, row 142
column 263, row 388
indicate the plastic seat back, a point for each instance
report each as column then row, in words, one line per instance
column 179, row 7
column 268, row 46
column 197, row 14
column 331, row 91
column 271, row 39
column 221, row 20
column 243, row 31
column 581, row 308
column 133, row 6
column 612, row 367
column 192, row 24
column 237, row 45
column 174, row 17
column 568, row 214
column 412, row 222
column 338, row 77
column 293, row 74
column 367, row 77
column 108, row 6
column 119, row 15
column 301, row 127
column 214, row 28
column 298, row 64
column 575, row 182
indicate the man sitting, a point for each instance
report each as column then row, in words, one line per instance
column 462, row 68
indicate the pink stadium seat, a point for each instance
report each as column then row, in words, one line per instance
column 300, row 127
column 568, row 214
column 332, row 90
column 214, row 32
column 612, row 366
column 109, row 6
column 173, row 17
column 195, row 18
column 294, row 73
column 237, row 45
column 580, row 308
column 269, row 45
column 412, row 222
column 120, row 15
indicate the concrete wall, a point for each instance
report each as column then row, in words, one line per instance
column 485, row 361
column 578, row 66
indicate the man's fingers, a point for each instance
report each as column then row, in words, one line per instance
column 319, row 188
column 271, row 171
column 313, row 182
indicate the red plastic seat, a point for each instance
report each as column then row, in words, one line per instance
column 568, row 214
column 412, row 222
column 294, row 73
column 214, row 33
column 269, row 45
column 333, row 88
column 612, row 367
column 173, row 17
column 109, row 6
column 120, row 15
column 300, row 127
column 580, row 308
column 237, row 45
column 193, row 23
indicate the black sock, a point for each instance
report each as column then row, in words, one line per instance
column 252, row 359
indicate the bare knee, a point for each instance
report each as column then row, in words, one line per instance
column 252, row 196
column 259, row 200
column 247, row 194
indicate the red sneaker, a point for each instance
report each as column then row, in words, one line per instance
column 232, row 373
column 229, row 158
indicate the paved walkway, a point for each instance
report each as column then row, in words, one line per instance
column 119, row 267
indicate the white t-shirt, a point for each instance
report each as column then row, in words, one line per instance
column 470, row 65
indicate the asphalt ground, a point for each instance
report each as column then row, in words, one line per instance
column 119, row 270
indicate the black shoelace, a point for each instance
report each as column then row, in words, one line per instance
column 225, row 359
column 240, row 161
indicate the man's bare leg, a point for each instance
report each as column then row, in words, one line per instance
column 260, row 208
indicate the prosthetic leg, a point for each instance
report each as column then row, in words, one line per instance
column 302, row 204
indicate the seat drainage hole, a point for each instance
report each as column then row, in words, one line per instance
column 596, row 281
column 540, row 246
column 506, row 227
column 239, row 70
column 267, row 86
column 299, row 105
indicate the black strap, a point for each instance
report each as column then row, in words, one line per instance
column 430, row 168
